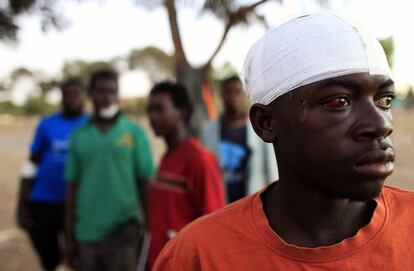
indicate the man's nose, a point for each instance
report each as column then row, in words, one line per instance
column 108, row 97
column 372, row 122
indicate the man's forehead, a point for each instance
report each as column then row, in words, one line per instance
column 355, row 82
column 72, row 88
column 306, row 50
column 106, row 81
column 161, row 97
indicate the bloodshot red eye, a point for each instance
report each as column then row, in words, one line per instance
column 337, row 103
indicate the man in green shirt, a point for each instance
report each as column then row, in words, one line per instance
column 108, row 164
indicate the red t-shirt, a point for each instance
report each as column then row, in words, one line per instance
column 239, row 237
column 188, row 185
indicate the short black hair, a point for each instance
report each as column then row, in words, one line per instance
column 229, row 79
column 102, row 74
column 72, row 81
column 178, row 94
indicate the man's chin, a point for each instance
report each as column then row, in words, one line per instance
column 158, row 133
column 73, row 112
column 365, row 193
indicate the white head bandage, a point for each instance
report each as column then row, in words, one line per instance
column 308, row 49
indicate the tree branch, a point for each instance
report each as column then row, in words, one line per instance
column 234, row 19
column 180, row 57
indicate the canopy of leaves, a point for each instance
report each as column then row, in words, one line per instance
column 154, row 61
column 222, row 9
column 11, row 9
column 231, row 11
column 48, row 85
column 20, row 72
column 35, row 105
column 2, row 87
column 83, row 69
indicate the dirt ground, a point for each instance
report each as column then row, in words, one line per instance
column 16, row 253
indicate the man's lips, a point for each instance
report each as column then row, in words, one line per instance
column 376, row 163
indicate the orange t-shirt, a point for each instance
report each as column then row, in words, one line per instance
column 239, row 237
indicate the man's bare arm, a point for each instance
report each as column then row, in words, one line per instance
column 28, row 175
column 142, row 186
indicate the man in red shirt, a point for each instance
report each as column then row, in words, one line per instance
column 188, row 182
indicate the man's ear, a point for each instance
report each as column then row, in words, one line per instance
column 261, row 119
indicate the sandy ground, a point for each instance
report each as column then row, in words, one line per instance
column 16, row 253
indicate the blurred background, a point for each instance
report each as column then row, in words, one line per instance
column 42, row 42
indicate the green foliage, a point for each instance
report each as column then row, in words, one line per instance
column 235, row 11
column 8, row 27
column 409, row 98
column 37, row 105
column 2, row 86
column 219, row 74
column 135, row 107
column 221, row 8
column 20, row 72
column 10, row 11
column 226, row 70
column 8, row 107
column 48, row 85
column 388, row 45
column 153, row 60
column 82, row 69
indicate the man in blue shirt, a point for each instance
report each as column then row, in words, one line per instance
column 247, row 163
column 42, row 189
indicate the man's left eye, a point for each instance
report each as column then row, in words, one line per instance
column 337, row 103
column 385, row 102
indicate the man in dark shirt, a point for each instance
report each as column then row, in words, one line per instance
column 247, row 163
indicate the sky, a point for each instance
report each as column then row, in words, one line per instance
column 103, row 29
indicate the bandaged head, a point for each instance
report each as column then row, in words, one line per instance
column 308, row 49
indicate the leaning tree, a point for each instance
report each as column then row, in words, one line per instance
column 196, row 78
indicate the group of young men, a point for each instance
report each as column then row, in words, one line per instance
column 321, row 94
column 94, row 177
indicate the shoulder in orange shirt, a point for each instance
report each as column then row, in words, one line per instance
column 239, row 237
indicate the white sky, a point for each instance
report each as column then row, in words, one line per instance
column 100, row 30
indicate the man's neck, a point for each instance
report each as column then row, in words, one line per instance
column 71, row 115
column 177, row 137
column 306, row 217
column 103, row 124
column 234, row 119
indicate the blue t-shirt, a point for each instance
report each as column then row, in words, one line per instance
column 234, row 155
column 51, row 142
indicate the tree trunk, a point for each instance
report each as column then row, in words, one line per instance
column 193, row 79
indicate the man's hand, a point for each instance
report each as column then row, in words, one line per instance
column 71, row 253
column 24, row 218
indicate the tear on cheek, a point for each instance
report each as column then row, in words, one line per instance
column 303, row 106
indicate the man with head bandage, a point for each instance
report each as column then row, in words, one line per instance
column 321, row 93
